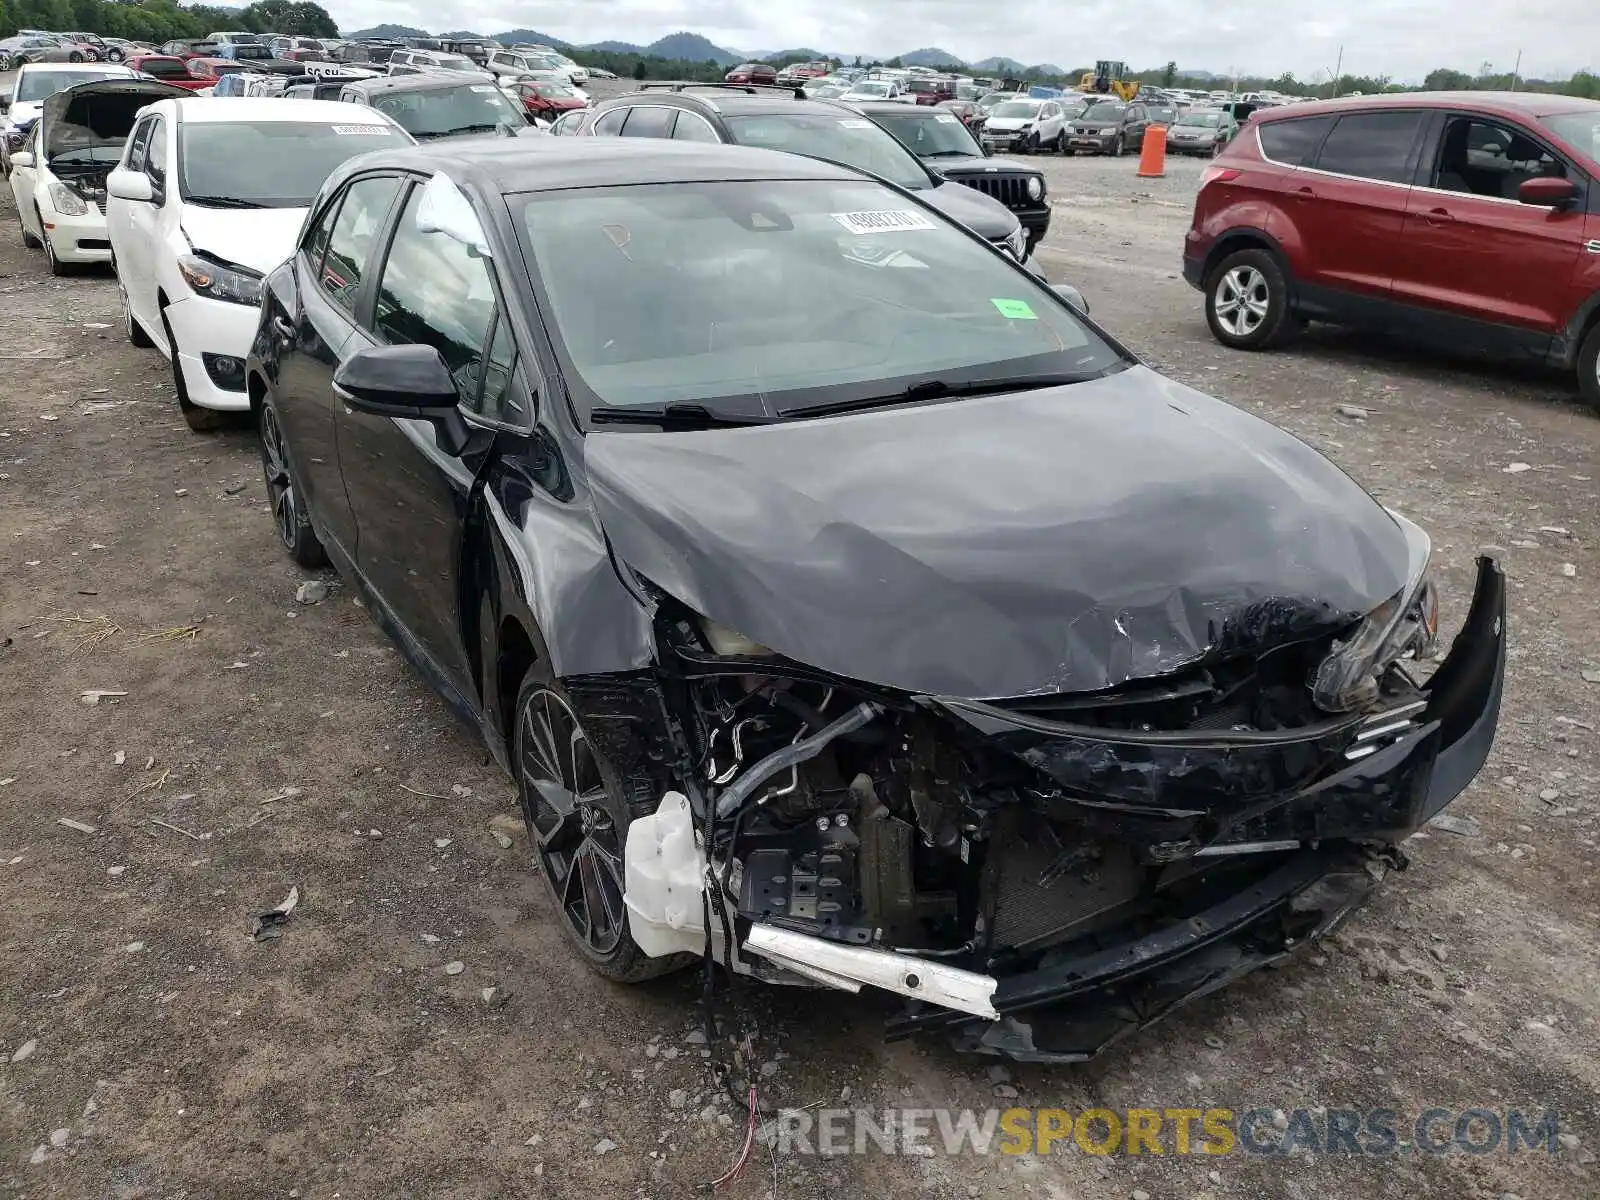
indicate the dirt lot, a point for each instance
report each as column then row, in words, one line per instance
column 264, row 744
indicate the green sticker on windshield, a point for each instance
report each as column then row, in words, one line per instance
column 1017, row 310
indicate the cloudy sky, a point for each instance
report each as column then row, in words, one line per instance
column 1402, row 38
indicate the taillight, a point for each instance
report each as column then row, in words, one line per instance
column 1219, row 175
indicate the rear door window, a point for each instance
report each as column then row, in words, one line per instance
column 1375, row 145
column 1294, row 143
column 649, row 121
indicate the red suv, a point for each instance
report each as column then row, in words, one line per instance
column 1468, row 220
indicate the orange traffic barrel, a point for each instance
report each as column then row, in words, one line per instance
column 1153, row 153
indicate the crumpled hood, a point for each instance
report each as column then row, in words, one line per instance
column 1062, row 540
column 258, row 238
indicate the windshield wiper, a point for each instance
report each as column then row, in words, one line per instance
column 224, row 202
column 493, row 125
column 939, row 389
column 673, row 416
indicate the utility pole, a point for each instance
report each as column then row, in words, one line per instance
column 1516, row 70
column 1338, row 72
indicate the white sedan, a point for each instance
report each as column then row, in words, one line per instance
column 58, row 177
column 208, row 198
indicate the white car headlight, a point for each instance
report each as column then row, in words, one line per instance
column 1017, row 243
column 1108, row 132
column 66, row 201
column 1035, row 187
column 218, row 281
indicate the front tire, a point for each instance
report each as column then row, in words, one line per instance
column 57, row 267
column 75, row 56
column 1118, row 147
column 201, row 420
column 578, row 823
column 1589, row 367
column 1247, row 302
column 283, row 497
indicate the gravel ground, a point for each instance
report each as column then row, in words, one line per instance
column 150, row 1048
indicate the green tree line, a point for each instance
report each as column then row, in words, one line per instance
column 157, row 21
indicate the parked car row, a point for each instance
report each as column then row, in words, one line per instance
column 691, row 557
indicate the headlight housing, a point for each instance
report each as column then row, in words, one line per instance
column 1405, row 624
column 1108, row 132
column 1017, row 243
column 220, row 281
column 66, row 201
column 1035, row 187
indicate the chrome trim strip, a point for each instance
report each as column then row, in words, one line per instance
column 1380, row 730
column 1245, row 848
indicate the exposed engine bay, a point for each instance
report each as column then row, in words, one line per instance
column 1042, row 876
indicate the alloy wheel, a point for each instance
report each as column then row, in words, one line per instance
column 574, row 832
column 280, row 487
column 1241, row 301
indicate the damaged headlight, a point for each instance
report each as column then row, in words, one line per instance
column 725, row 641
column 1406, row 623
column 1017, row 243
column 66, row 201
column 217, row 281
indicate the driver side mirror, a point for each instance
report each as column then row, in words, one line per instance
column 405, row 381
column 1072, row 296
column 22, row 158
column 128, row 185
column 1546, row 191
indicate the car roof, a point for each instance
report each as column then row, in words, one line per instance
column 735, row 102
column 550, row 164
column 1519, row 104
column 84, row 68
column 198, row 110
column 418, row 83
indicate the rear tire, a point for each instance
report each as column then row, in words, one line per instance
column 29, row 241
column 578, row 823
column 135, row 331
column 1589, row 367
column 1247, row 302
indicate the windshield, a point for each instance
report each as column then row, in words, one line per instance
column 554, row 91
column 1104, row 110
column 251, row 50
column 869, row 88
column 271, row 164
column 165, row 68
column 453, row 62
column 36, row 85
column 853, row 141
column 1581, row 129
column 1015, row 108
column 933, row 135
column 1209, row 119
column 442, row 111
column 648, row 288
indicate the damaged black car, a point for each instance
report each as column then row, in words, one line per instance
column 920, row 639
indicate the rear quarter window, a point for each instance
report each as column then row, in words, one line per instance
column 1373, row 145
column 1294, row 143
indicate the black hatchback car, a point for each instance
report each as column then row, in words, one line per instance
column 971, row 659
column 776, row 119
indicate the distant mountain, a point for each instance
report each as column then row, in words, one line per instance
column 930, row 56
column 1002, row 65
column 460, row 33
column 512, row 37
column 388, row 31
column 691, row 47
column 1043, row 71
column 615, row 48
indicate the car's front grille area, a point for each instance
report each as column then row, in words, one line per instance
column 1010, row 190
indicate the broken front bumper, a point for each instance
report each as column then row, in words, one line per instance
column 1325, row 847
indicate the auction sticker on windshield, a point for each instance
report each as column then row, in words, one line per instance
column 892, row 221
column 1017, row 310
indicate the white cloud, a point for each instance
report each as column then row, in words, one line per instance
column 1401, row 38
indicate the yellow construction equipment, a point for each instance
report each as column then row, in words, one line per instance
column 1109, row 79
